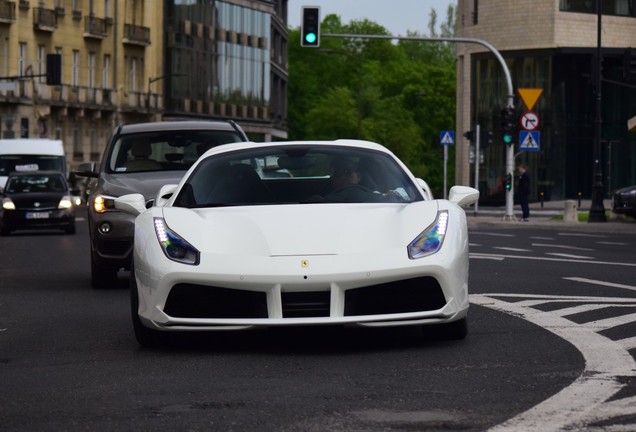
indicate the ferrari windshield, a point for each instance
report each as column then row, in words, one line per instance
column 297, row 174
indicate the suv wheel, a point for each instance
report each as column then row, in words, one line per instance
column 102, row 277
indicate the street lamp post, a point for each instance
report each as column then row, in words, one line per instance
column 597, row 209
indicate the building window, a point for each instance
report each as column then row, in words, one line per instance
column 106, row 72
column 132, row 79
column 610, row 7
column 22, row 49
column 91, row 69
column 75, row 65
column 41, row 62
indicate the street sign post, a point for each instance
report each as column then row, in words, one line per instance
column 446, row 138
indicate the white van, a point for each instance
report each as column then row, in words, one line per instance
column 26, row 154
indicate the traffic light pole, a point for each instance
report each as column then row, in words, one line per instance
column 510, row 151
column 477, row 160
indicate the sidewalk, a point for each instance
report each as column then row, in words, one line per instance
column 550, row 215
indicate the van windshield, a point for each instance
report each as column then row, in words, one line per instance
column 10, row 163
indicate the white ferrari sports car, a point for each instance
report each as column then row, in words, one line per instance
column 297, row 234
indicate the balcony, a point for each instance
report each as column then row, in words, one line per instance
column 44, row 19
column 7, row 12
column 136, row 35
column 95, row 28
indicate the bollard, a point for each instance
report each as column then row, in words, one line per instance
column 570, row 213
column 579, row 199
column 541, row 198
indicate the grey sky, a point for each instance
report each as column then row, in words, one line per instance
column 397, row 16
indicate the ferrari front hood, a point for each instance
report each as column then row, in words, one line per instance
column 296, row 230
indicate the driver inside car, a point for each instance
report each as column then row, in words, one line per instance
column 345, row 182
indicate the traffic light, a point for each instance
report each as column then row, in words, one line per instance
column 485, row 139
column 508, row 182
column 470, row 135
column 310, row 29
column 54, row 69
column 507, row 125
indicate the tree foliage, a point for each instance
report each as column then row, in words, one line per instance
column 398, row 94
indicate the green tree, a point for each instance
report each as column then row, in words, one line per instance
column 400, row 95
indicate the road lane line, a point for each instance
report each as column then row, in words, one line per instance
column 561, row 246
column 602, row 283
column 478, row 255
column 568, row 255
column 583, row 402
column 511, row 249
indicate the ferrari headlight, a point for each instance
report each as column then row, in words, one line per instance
column 65, row 202
column 102, row 203
column 174, row 246
column 7, row 204
column 431, row 239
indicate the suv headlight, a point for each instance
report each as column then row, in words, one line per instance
column 431, row 239
column 103, row 203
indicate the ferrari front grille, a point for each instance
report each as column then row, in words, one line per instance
column 410, row 295
column 201, row 301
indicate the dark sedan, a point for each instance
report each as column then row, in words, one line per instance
column 625, row 201
column 37, row 200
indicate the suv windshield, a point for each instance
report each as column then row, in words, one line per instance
column 164, row 150
column 36, row 183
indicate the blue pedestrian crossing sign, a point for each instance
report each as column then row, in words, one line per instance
column 447, row 137
column 529, row 140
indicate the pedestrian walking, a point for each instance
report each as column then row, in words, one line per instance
column 523, row 189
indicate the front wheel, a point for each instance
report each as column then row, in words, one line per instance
column 145, row 336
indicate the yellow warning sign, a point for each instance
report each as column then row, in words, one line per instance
column 530, row 96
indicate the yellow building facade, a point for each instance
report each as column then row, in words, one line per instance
column 130, row 61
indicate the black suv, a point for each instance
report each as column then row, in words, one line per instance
column 140, row 158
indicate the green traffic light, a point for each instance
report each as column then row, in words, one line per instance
column 310, row 37
column 507, row 138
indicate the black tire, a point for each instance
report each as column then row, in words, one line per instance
column 102, row 277
column 146, row 337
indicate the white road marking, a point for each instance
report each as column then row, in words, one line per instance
column 478, row 255
column 602, row 283
column 569, row 256
column 561, row 246
column 607, row 323
column 511, row 249
column 491, row 234
column 628, row 343
column 542, row 238
column 612, row 243
column 582, row 403
column 581, row 235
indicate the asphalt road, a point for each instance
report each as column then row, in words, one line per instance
column 69, row 360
